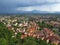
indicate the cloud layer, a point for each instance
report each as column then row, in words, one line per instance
column 48, row 8
column 29, row 5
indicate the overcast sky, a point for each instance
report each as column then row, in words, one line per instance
column 13, row 6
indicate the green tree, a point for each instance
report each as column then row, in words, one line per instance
column 29, row 41
column 3, row 41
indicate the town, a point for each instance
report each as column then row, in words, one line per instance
column 40, row 27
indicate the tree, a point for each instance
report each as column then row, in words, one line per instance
column 3, row 41
column 29, row 41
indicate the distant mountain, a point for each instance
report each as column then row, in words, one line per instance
column 39, row 12
column 30, row 12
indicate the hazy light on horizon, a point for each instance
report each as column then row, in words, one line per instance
column 48, row 8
